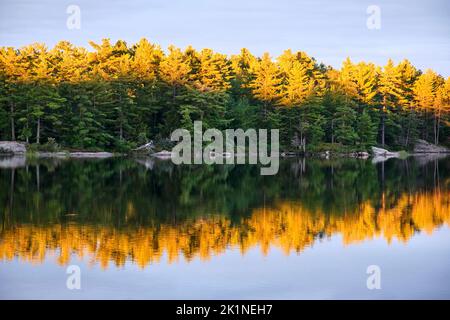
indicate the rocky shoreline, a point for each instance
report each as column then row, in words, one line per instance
column 13, row 148
column 88, row 155
column 423, row 146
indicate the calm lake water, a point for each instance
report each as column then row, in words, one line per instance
column 140, row 228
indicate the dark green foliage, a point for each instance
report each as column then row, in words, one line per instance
column 367, row 130
column 345, row 119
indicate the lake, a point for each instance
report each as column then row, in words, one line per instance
column 145, row 228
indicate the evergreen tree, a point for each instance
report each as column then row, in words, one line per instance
column 425, row 89
column 345, row 118
column 266, row 84
column 214, row 72
column 408, row 117
column 13, row 70
column 208, row 107
column 366, row 130
column 298, row 85
column 390, row 91
column 311, row 123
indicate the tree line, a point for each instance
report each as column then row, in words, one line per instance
column 116, row 97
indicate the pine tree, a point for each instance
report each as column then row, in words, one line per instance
column 241, row 108
column 347, row 78
column 408, row 115
column 174, row 70
column 145, row 68
column 366, row 130
column 345, row 120
column 13, row 71
column 208, row 107
column 390, row 91
column 425, row 89
column 266, row 84
column 298, row 78
column 241, row 65
column 366, row 80
column 70, row 63
column 145, row 61
column 5, row 125
column 214, row 73
column 44, row 97
column 311, row 123
column 441, row 106
column 85, row 111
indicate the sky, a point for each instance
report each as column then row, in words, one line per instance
column 328, row 30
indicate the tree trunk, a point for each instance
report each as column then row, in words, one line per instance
column 302, row 139
column 407, row 135
column 438, row 125
column 13, row 130
column 383, row 125
column 27, row 138
column 435, row 129
column 38, row 130
column 408, row 131
column 265, row 112
column 332, row 131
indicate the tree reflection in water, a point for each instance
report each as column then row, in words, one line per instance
column 119, row 210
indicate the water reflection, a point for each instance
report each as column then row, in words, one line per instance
column 115, row 210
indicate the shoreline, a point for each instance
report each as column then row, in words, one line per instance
column 19, row 149
column 78, row 155
column 11, row 161
column 106, row 154
column 283, row 155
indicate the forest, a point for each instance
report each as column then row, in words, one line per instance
column 117, row 97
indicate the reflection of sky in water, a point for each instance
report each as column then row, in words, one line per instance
column 418, row 269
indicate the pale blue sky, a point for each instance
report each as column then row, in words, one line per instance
column 326, row 29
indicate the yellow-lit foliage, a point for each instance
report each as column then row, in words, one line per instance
column 266, row 84
column 110, row 62
column 214, row 72
column 241, row 66
column 146, row 60
column 425, row 89
column 300, row 78
column 287, row 225
column 70, row 62
column 173, row 69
